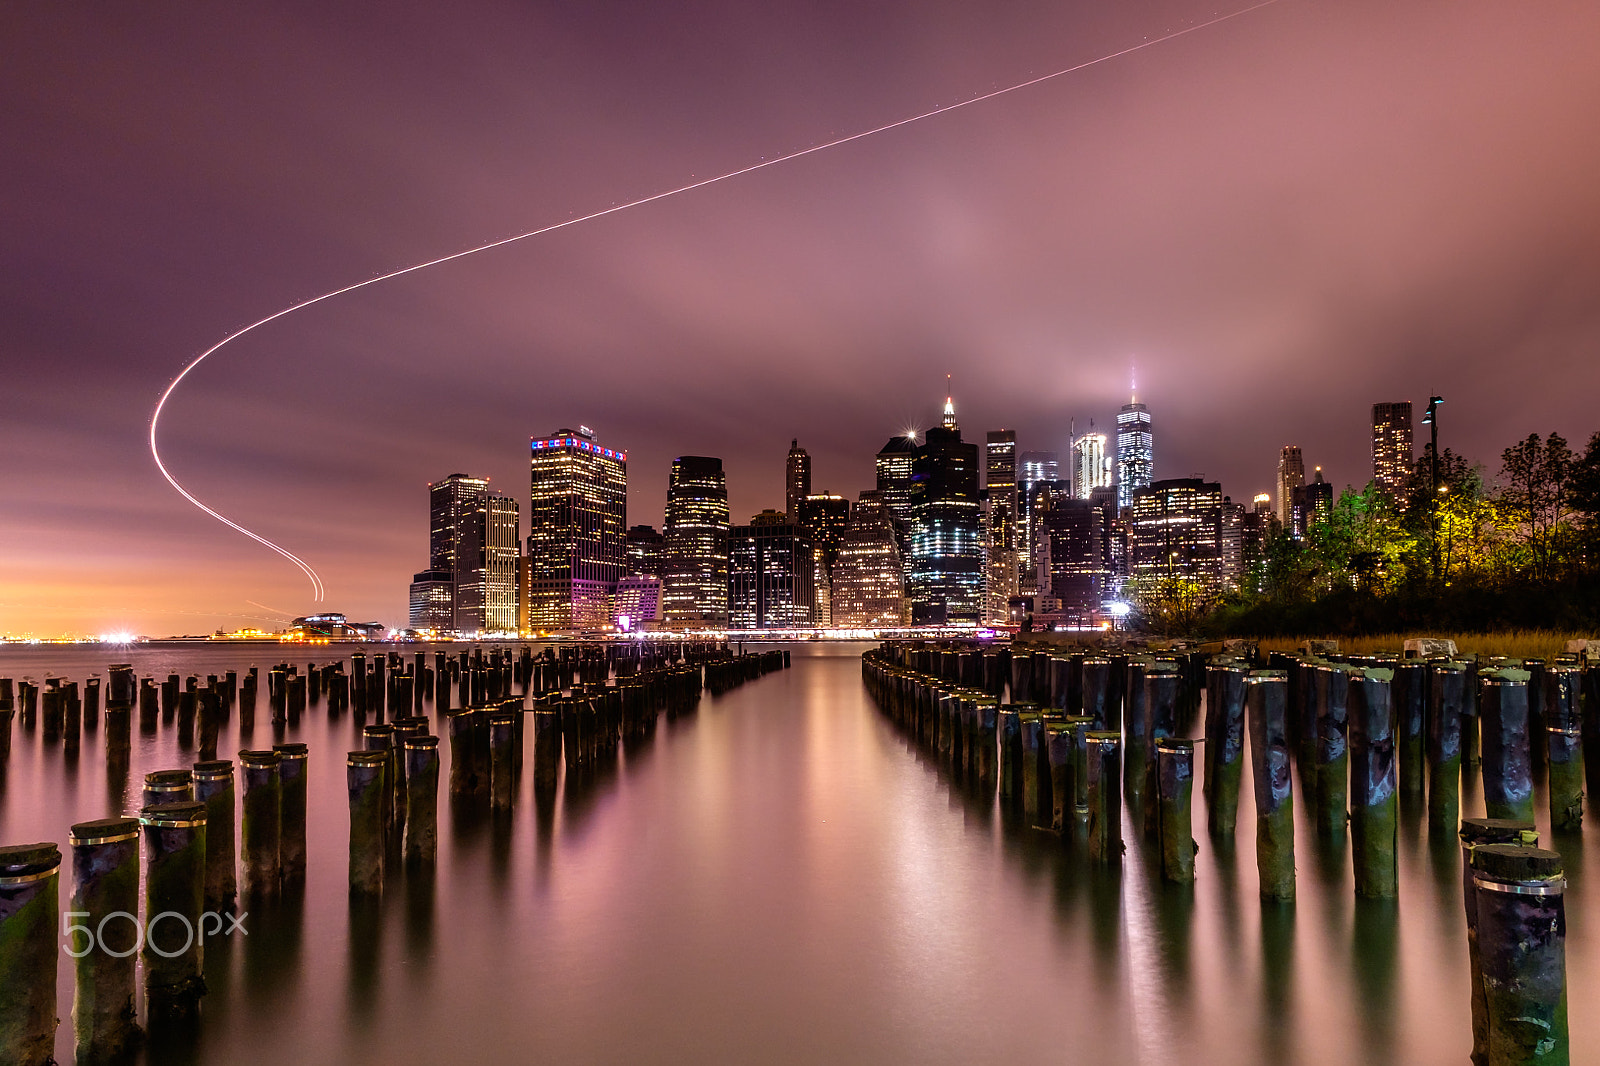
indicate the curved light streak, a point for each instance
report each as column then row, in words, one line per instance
column 316, row 582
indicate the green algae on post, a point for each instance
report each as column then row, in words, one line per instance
column 1374, row 807
column 30, row 904
column 1522, row 931
column 1175, row 789
column 1507, row 757
column 104, row 937
column 174, row 901
column 367, row 780
column 1266, row 702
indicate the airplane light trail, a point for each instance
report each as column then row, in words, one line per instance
column 316, row 581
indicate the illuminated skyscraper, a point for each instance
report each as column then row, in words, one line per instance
column 473, row 537
column 1291, row 475
column 576, row 519
column 894, row 464
column 1000, row 476
column 1136, row 453
column 646, row 551
column 433, row 601
column 1033, row 470
column 796, row 479
column 946, row 568
column 1091, row 466
column 1309, row 504
column 1073, row 561
column 694, row 593
column 1392, row 457
column 1177, row 532
column 868, row 577
column 771, row 566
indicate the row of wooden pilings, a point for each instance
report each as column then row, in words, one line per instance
column 1101, row 728
column 196, row 872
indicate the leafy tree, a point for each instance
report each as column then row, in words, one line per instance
column 1535, row 495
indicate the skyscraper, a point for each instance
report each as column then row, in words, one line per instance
column 1291, row 475
column 1072, row 559
column 1391, row 446
column 894, row 484
column 1136, row 455
column 1091, row 466
column 694, row 592
column 946, row 569
column 646, row 551
column 771, row 566
column 576, row 545
column 1309, row 504
column 796, row 479
column 433, row 601
column 472, row 536
column 868, row 579
column 1177, row 532
column 1033, row 469
column 1000, row 476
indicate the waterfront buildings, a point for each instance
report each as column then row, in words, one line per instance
column 1310, row 503
column 771, row 574
column 1176, row 531
column 694, row 593
column 638, row 603
column 946, row 569
column 433, row 601
column 646, row 551
column 576, row 518
column 1392, row 455
column 796, row 479
column 472, row 536
column 1136, row 462
column 1074, row 565
column 1033, row 469
column 894, row 484
column 868, row 580
column 1291, row 475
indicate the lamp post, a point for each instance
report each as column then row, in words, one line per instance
column 1431, row 420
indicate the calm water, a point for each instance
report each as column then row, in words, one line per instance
column 783, row 878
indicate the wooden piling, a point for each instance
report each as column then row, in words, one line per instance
column 168, row 786
column 30, row 905
column 1507, row 757
column 1564, row 740
column 293, row 759
column 1105, row 796
column 1225, row 748
column 1475, row 832
column 1266, row 703
column 213, row 786
column 104, row 937
column 1447, row 695
column 1175, row 790
column 174, row 901
column 367, row 781
column 1374, row 810
column 1522, row 930
column 260, row 825
column 422, row 799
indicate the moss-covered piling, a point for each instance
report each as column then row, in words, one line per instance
column 1266, row 705
column 104, row 937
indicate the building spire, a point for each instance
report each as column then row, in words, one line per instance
column 1133, row 384
column 949, row 405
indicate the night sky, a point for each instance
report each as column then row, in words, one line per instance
column 1279, row 220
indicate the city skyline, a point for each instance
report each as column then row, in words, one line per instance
column 1198, row 208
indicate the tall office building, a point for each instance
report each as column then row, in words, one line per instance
column 1309, row 504
column 868, row 590
column 1255, row 526
column 824, row 517
column 1177, row 532
column 1033, row 469
column 576, row 521
column 1136, row 454
column 1392, row 456
column 1000, row 523
column 433, row 601
column 796, row 479
column 646, row 551
column 694, row 588
column 1073, row 562
column 472, row 536
column 771, row 568
column 1091, row 466
column 638, row 602
column 894, row 484
column 946, row 568
column 1291, row 475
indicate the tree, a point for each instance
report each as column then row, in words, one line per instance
column 1535, row 495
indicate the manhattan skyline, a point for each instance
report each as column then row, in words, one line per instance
column 1280, row 220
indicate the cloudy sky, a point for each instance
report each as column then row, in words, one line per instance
column 1277, row 220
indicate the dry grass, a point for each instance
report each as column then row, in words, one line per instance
column 1515, row 644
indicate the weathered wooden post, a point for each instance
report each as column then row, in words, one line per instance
column 502, row 759
column 1447, row 692
column 1564, row 733
column 259, row 832
column 1507, row 765
column 168, row 786
column 1105, row 797
column 174, row 902
column 1163, row 695
column 367, row 778
column 1374, row 812
column 1175, row 789
column 422, row 799
column 105, row 896
column 1522, row 930
column 1266, row 702
column 1058, row 742
column 464, row 771
column 1136, row 733
column 293, row 760
column 1409, row 696
column 213, row 786
column 1225, row 749
column 1475, row 832
column 1008, row 730
column 30, row 905
column 1332, row 752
